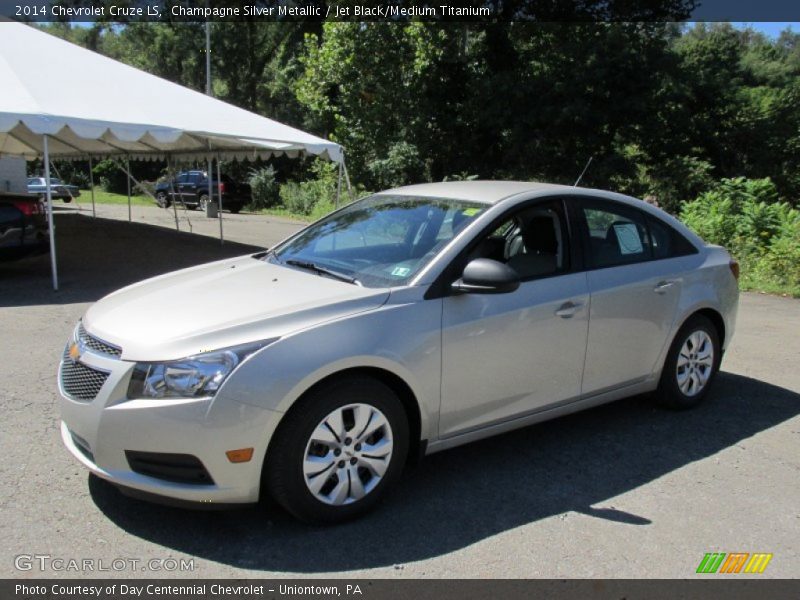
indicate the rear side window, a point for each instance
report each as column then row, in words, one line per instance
column 668, row 243
column 614, row 235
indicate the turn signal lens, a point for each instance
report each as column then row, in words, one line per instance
column 240, row 456
column 734, row 265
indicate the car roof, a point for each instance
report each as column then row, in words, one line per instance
column 489, row 192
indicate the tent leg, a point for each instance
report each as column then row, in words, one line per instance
column 210, row 171
column 50, row 225
column 347, row 179
column 128, row 176
column 173, row 199
column 91, row 186
column 339, row 186
column 219, row 195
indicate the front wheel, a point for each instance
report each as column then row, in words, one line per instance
column 692, row 362
column 338, row 451
column 162, row 200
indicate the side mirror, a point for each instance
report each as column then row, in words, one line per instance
column 486, row 276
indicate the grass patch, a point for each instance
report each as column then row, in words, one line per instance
column 103, row 197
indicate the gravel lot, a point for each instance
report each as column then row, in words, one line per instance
column 624, row 490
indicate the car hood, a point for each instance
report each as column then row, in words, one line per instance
column 219, row 305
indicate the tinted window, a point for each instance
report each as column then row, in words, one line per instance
column 183, row 178
column 667, row 242
column 614, row 235
column 9, row 214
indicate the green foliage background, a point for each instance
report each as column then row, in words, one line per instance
column 707, row 115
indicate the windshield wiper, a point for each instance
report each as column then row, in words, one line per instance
column 304, row 264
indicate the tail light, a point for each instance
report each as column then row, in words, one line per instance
column 221, row 187
column 28, row 208
column 734, row 265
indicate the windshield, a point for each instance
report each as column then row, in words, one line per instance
column 380, row 241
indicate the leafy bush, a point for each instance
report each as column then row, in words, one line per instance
column 110, row 177
column 301, row 198
column 401, row 166
column 762, row 233
column 265, row 193
column 143, row 188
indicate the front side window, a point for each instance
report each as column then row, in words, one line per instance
column 380, row 241
column 532, row 241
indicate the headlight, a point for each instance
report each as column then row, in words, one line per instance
column 193, row 377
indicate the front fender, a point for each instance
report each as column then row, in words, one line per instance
column 401, row 339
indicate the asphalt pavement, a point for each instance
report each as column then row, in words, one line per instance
column 623, row 490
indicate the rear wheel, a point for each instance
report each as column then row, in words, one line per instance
column 339, row 451
column 692, row 362
column 67, row 199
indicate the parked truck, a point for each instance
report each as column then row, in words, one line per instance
column 191, row 189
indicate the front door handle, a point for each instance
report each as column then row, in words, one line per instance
column 568, row 309
column 663, row 286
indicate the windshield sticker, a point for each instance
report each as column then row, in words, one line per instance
column 401, row 271
column 628, row 238
column 470, row 212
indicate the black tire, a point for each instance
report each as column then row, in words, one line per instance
column 67, row 200
column 669, row 393
column 283, row 468
column 162, row 200
column 235, row 209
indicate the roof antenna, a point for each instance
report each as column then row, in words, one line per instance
column 578, row 180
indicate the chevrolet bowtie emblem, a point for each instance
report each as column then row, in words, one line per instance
column 74, row 352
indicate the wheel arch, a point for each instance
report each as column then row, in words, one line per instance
column 393, row 381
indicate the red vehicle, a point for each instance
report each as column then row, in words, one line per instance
column 23, row 226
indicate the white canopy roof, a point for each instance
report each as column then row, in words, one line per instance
column 88, row 104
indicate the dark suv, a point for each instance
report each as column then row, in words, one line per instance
column 191, row 189
column 23, row 226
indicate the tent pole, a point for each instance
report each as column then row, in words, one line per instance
column 173, row 199
column 339, row 186
column 219, row 195
column 50, row 225
column 91, row 186
column 128, row 176
column 210, row 173
column 347, row 179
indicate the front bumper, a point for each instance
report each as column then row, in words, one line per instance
column 98, row 432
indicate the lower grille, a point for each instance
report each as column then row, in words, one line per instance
column 79, row 381
column 178, row 468
column 82, row 445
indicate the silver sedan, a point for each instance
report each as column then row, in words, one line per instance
column 408, row 322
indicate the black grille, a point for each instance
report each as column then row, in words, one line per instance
column 78, row 380
column 97, row 345
column 179, row 468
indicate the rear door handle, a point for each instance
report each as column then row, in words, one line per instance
column 568, row 309
column 663, row 286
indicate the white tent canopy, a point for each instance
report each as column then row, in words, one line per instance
column 89, row 104
column 61, row 101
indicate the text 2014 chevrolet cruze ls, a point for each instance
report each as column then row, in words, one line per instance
column 414, row 320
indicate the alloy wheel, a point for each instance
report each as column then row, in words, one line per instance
column 695, row 363
column 348, row 454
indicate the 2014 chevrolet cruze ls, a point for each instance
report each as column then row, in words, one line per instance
column 411, row 321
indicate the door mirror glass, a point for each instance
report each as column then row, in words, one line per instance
column 487, row 276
